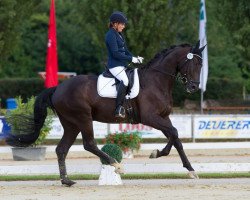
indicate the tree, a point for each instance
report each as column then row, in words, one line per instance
column 222, row 55
column 13, row 13
column 75, row 53
column 152, row 25
column 235, row 16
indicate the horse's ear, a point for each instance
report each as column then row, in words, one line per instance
column 201, row 49
column 197, row 46
column 195, row 49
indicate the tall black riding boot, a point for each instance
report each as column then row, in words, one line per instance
column 120, row 111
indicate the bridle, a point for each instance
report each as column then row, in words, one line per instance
column 183, row 77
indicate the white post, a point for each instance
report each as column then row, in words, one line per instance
column 192, row 128
column 201, row 103
column 244, row 92
column 108, row 176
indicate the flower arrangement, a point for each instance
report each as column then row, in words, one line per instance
column 125, row 140
column 26, row 110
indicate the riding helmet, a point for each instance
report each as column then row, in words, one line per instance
column 118, row 16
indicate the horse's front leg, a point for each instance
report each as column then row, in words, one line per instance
column 165, row 125
column 166, row 150
column 90, row 145
column 171, row 132
column 179, row 147
column 184, row 159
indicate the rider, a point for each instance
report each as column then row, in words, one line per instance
column 119, row 57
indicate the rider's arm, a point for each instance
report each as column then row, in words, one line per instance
column 111, row 42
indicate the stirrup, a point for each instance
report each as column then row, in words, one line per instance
column 120, row 112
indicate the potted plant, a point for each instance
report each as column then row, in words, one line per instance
column 35, row 151
column 127, row 141
column 110, row 174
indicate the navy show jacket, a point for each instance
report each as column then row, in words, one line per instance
column 118, row 54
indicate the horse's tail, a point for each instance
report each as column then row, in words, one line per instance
column 31, row 125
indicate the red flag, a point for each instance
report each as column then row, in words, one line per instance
column 51, row 60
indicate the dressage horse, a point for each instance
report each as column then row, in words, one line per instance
column 77, row 104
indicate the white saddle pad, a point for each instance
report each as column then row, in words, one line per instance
column 106, row 87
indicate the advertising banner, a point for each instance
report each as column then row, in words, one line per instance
column 4, row 127
column 57, row 130
column 222, row 126
column 1, row 125
column 100, row 129
column 181, row 122
column 204, row 126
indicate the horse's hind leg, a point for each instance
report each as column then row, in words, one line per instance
column 69, row 136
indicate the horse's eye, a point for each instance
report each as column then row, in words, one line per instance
column 184, row 79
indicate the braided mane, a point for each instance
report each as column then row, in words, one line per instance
column 164, row 53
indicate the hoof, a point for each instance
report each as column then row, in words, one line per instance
column 118, row 168
column 154, row 154
column 67, row 182
column 193, row 175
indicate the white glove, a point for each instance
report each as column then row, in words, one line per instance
column 140, row 59
column 137, row 59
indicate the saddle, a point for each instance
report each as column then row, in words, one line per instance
column 130, row 74
column 107, row 84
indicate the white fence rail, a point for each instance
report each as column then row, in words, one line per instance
column 188, row 126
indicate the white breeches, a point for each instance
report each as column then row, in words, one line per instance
column 120, row 74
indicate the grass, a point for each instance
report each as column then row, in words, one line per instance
column 125, row 176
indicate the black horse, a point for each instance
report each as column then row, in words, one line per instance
column 77, row 104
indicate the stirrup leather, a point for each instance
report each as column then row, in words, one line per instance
column 120, row 112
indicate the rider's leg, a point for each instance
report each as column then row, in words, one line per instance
column 119, row 110
column 120, row 74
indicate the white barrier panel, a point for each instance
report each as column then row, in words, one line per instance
column 4, row 128
column 204, row 126
column 181, row 122
column 57, row 130
column 146, row 131
column 1, row 125
column 222, row 126
column 100, row 129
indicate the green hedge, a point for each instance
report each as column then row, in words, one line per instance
column 217, row 89
column 13, row 87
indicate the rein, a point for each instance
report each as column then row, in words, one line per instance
column 169, row 74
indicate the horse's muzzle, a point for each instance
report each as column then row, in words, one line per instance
column 192, row 86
